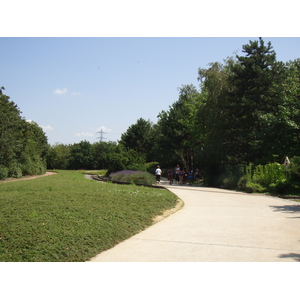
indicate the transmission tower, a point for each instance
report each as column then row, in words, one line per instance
column 101, row 135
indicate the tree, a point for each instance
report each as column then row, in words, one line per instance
column 58, row 156
column 81, row 156
column 176, row 130
column 139, row 137
column 100, row 153
column 34, row 150
column 23, row 145
column 212, row 115
column 10, row 126
column 255, row 78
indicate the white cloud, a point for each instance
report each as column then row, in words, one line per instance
column 84, row 134
column 65, row 91
column 47, row 128
column 103, row 128
column 61, row 91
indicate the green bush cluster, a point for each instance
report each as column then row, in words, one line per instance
column 3, row 172
column 271, row 178
column 135, row 177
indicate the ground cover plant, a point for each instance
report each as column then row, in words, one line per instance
column 68, row 218
column 136, row 177
column 271, row 178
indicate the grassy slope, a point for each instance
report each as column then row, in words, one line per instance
column 66, row 217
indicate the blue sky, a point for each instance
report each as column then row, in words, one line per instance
column 74, row 87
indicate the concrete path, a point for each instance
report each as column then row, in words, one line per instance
column 217, row 225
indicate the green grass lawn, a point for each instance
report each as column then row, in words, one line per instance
column 66, row 217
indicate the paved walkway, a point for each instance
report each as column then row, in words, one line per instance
column 217, row 225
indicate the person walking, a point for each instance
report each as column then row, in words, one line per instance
column 181, row 174
column 191, row 177
column 158, row 173
column 170, row 176
column 197, row 176
column 177, row 171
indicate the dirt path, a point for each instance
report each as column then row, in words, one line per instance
column 27, row 177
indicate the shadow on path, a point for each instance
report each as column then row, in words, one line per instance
column 294, row 256
column 286, row 208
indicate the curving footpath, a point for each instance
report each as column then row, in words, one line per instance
column 217, row 225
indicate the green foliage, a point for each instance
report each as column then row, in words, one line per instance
column 87, row 156
column 247, row 111
column 67, row 218
column 81, row 156
column 58, row 157
column 15, row 170
column 176, row 137
column 23, row 145
column 151, row 167
column 272, row 178
column 229, row 182
column 139, row 137
column 269, row 174
column 295, row 168
column 281, row 186
column 137, row 167
column 130, row 176
column 3, row 172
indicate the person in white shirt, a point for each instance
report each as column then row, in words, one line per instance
column 158, row 173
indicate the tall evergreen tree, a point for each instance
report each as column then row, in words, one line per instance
column 139, row 137
column 256, row 78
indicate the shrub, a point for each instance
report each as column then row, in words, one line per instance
column 268, row 174
column 254, row 187
column 229, row 182
column 15, row 171
column 279, row 187
column 137, row 167
column 246, row 184
column 3, row 173
column 130, row 176
column 117, row 162
column 151, row 166
column 295, row 168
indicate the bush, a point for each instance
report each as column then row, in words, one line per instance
column 15, row 171
column 279, row 187
column 229, row 182
column 269, row 174
column 254, row 187
column 151, row 166
column 117, row 162
column 295, row 168
column 130, row 176
column 246, row 184
column 137, row 167
column 3, row 173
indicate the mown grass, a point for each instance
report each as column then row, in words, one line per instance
column 67, row 218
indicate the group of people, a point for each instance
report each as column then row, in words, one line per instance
column 179, row 175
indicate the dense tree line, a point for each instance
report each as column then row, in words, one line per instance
column 246, row 110
column 23, row 145
column 101, row 155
